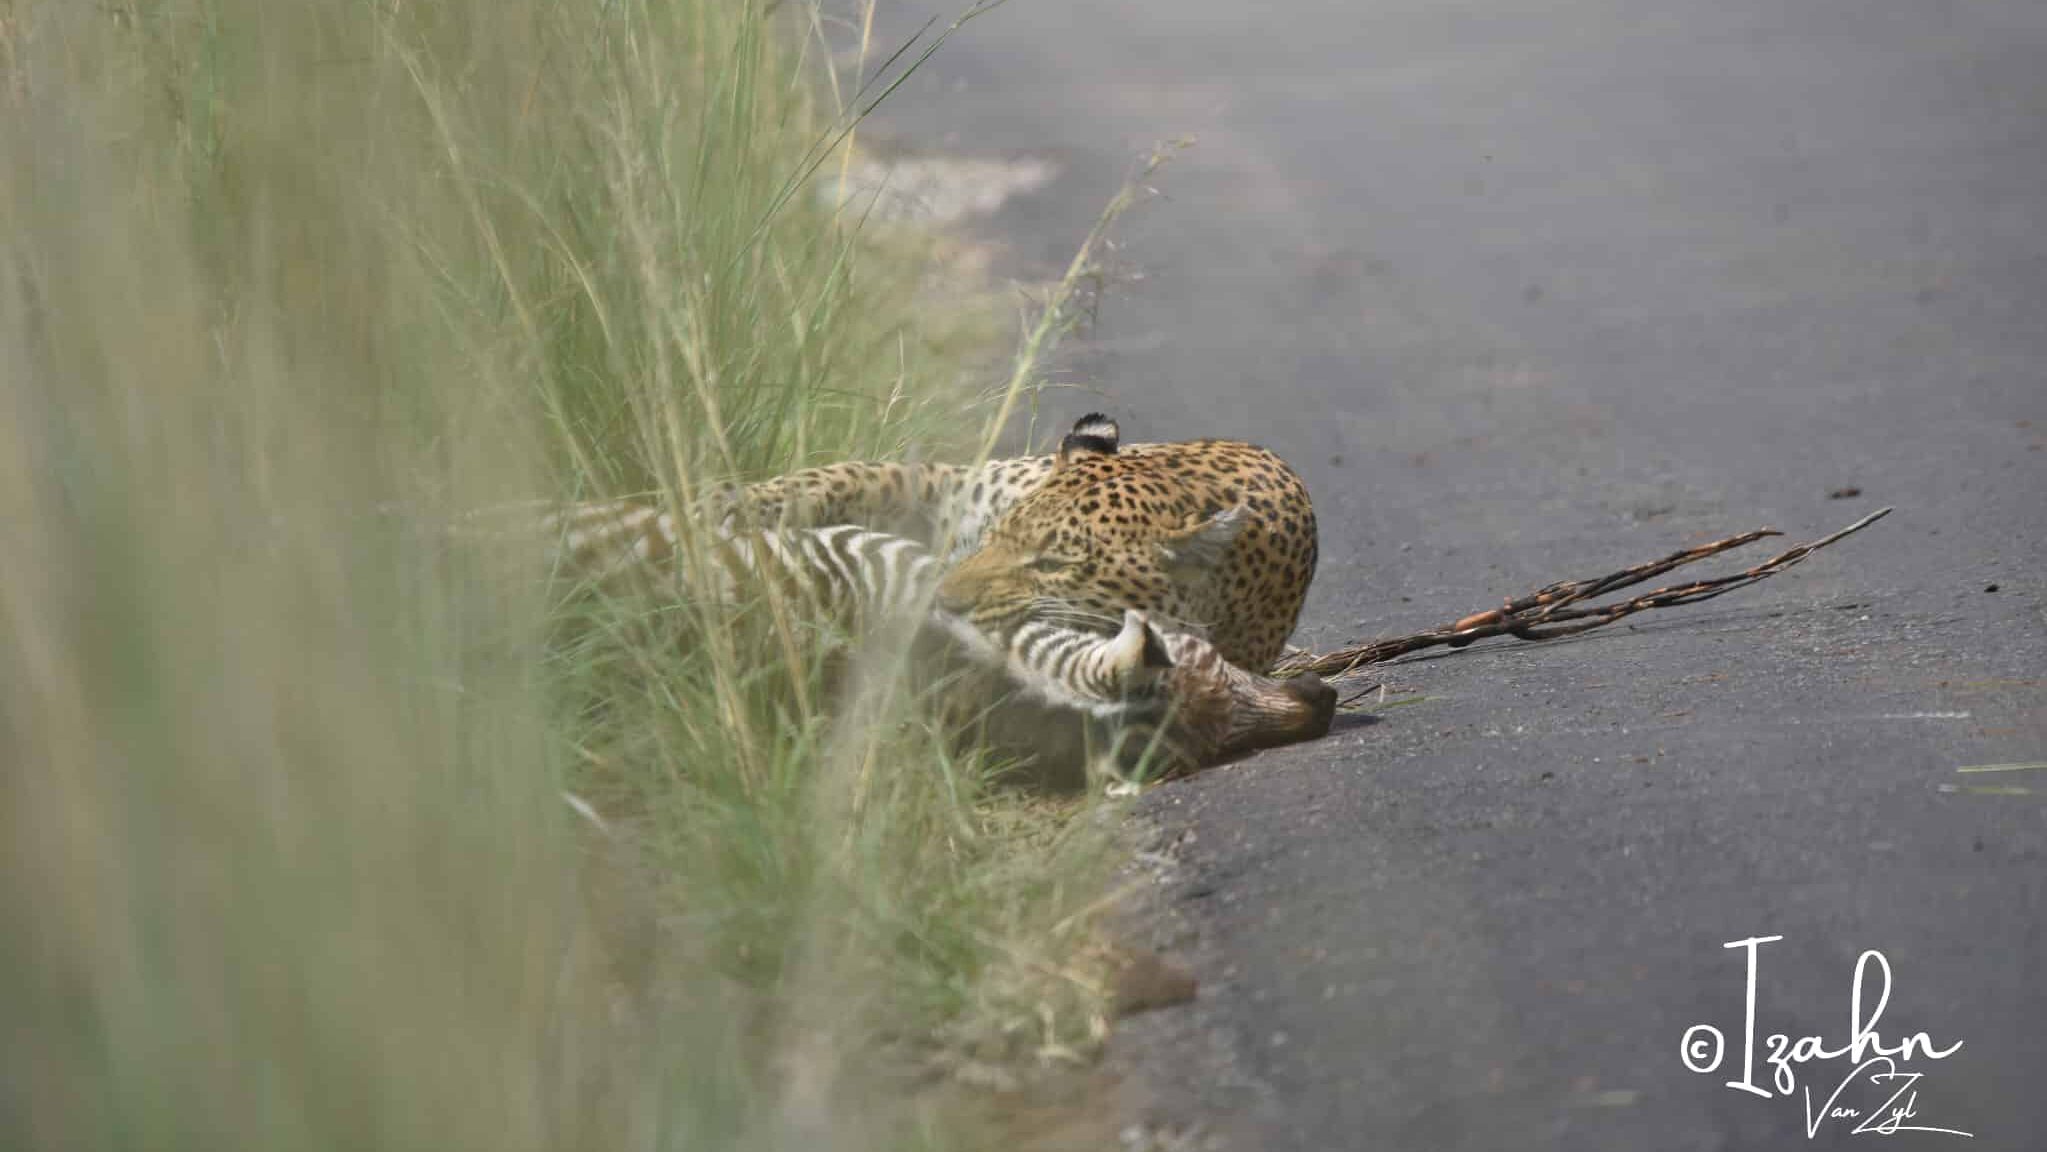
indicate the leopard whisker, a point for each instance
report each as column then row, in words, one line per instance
column 1060, row 612
column 1061, row 603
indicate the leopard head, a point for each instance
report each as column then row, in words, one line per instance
column 1103, row 532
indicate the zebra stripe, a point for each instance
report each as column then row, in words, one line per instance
column 913, row 569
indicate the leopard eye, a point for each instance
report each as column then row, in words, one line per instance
column 1046, row 562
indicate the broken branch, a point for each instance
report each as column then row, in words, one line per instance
column 1560, row 609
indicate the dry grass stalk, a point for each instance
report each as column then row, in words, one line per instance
column 1560, row 609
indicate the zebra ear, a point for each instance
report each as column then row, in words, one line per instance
column 1093, row 435
column 1202, row 546
column 1155, row 653
column 1138, row 648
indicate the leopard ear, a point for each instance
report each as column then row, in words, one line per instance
column 1202, row 545
column 1093, row 435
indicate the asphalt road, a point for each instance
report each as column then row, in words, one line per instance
column 1531, row 290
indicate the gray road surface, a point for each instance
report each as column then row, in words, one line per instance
column 1529, row 290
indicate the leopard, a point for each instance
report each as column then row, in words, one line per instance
column 1214, row 537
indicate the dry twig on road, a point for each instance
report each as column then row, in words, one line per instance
column 1561, row 609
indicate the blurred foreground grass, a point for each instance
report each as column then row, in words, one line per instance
column 289, row 287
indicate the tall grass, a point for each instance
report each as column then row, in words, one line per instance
column 290, row 289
